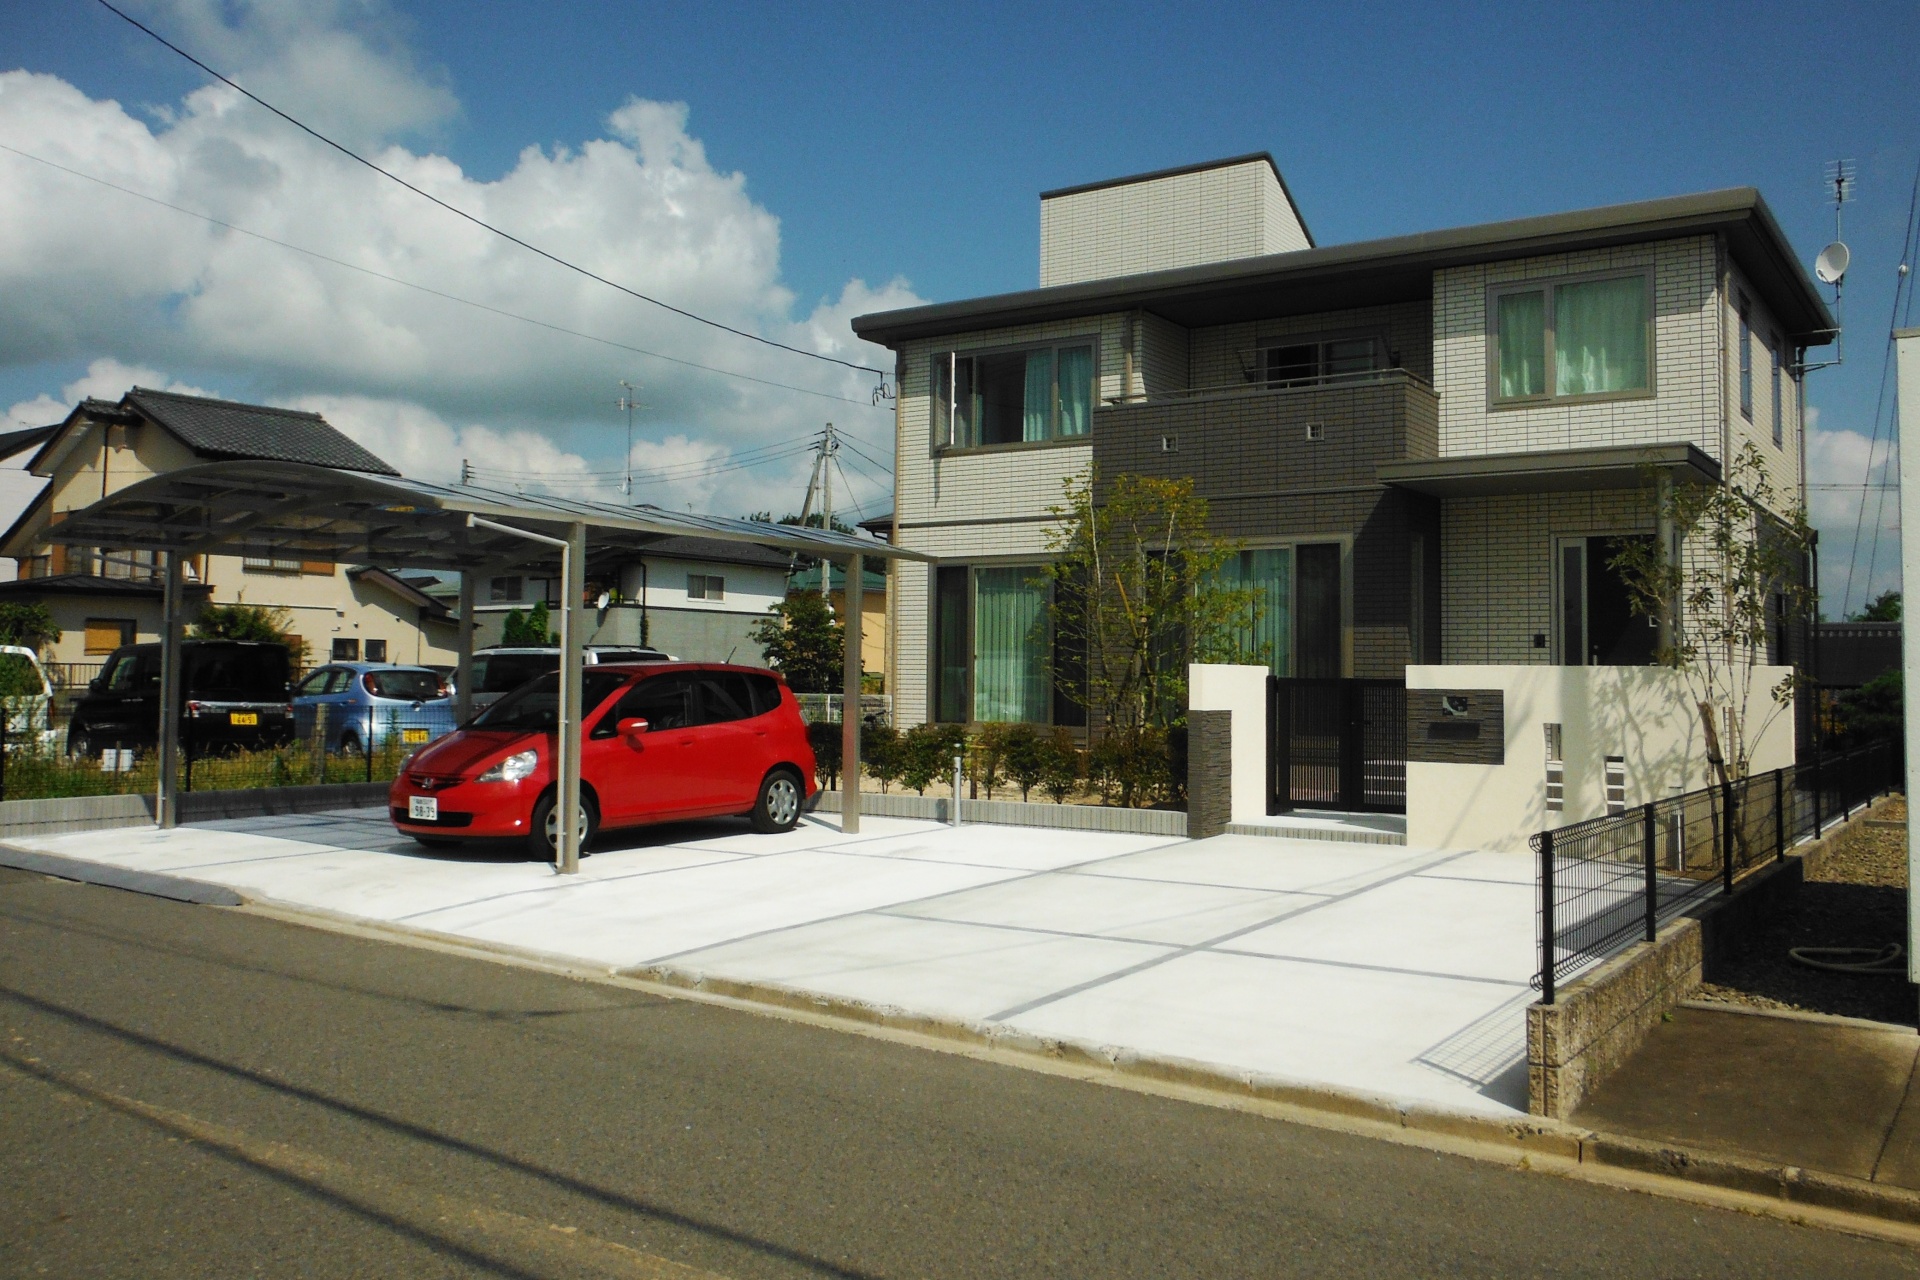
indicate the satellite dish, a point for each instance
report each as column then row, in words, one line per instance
column 1832, row 263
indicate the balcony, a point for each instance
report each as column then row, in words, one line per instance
column 1310, row 433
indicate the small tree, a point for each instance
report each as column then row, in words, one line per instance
column 1884, row 607
column 530, row 630
column 803, row 641
column 987, row 762
column 243, row 621
column 881, row 752
column 1060, row 768
column 1138, row 595
column 1025, row 759
column 27, row 624
column 927, row 753
column 1740, row 575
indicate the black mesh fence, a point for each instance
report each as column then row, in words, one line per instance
column 345, row 745
column 1609, row 882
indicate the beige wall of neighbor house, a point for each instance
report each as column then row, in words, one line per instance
column 326, row 607
column 1647, row 716
column 1156, row 222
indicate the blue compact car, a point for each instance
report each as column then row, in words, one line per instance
column 367, row 704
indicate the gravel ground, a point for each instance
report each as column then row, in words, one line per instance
column 1858, row 898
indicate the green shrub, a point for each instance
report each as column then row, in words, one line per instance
column 1025, row 758
column 1060, row 765
column 825, row 740
column 881, row 752
column 928, row 751
column 986, row 760
column 1131, row 766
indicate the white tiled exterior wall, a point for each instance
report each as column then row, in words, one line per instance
column 1212, row 215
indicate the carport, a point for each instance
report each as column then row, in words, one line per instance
column 287, row 510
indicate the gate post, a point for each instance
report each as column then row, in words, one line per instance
column 1353, row 747
column 1279, row 738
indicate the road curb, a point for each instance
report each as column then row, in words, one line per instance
column 152, row 883
column 1727, row 1172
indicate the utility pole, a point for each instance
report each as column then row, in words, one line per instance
column 828, row 447
column 628, row 403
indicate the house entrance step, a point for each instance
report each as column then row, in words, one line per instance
column 1344, row 828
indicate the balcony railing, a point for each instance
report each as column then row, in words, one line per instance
column 1262, row 386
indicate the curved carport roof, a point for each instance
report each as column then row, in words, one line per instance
column 291, row 510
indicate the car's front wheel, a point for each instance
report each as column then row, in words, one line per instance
column 543, row 840
column 777, row 807
column 80, row 745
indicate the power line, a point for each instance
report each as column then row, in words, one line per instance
column 663, row 475
column 421, row 288
column 357, row 158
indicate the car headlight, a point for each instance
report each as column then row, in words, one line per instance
column 514, row 768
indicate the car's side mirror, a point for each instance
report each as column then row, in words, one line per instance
column 97, row 683
column 632, row 727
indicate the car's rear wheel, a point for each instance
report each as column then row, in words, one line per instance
column 545, row 833
column 350, row 743
column 777, row 807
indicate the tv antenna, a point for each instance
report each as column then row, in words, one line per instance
column 628, row 403
column 1831, row 264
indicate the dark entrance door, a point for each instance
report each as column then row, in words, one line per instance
column 1598, row 627
column 1337, row 744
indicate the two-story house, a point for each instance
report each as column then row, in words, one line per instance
column 1428, row 445
column 103, row 597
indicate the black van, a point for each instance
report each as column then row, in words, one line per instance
column 236, row 695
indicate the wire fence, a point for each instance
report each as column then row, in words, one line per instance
column 826, row 708
column 1609, row 882
column 349, row 745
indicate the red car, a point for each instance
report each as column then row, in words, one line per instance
column 686, row 740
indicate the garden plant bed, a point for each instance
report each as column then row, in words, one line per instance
column 1854, row 896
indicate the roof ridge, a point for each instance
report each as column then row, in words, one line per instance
column 231, row 404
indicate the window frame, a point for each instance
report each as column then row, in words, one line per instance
column 945, row 447
column 126, row 628
column 713, row 586
column 1779, row 399
column 1547, row 285
column 970, row 568
column 1745, row 355
column 1321, row 339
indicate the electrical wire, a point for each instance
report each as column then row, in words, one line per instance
column 663, row 476
column 357, row 158
column 408, row 284
column 1901, row 282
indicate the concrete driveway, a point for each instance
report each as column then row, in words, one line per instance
column 1395, row 972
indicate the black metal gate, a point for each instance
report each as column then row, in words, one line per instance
column 1336, row 744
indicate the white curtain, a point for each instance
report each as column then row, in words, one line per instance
column 1521, row 331
column 1600, row 336
column 1010, row 645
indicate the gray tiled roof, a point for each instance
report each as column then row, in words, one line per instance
column 227, row 429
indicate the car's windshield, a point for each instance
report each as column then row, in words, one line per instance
column 411, row 686
column 243, row 672
column 500, row 672
column 535, row 708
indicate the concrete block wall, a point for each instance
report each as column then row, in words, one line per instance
column 1686, row 356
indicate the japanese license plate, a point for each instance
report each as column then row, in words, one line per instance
column 243, row 717
column 413, row 735
column 423, row 808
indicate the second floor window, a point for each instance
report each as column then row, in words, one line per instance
column 506, row 590
column 1314, row 361
column 1746, row 362
column 1012, row 397
column 1581, row 338
column 706, row 586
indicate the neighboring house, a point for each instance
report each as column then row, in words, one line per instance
column 1429, row 445
column 696, row 598
column 102, row 597
column 873, row 608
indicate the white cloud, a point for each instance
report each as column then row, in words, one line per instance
column 88, row 274
column 1859, row 544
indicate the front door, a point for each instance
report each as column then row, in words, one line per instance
column 1596, row 623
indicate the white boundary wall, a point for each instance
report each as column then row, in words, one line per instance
column 1906, row 345
column 1243, row 691
column 1644, row 714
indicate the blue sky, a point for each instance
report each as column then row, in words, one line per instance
column 907, row 143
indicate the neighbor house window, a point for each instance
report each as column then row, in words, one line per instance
column 376, row 651
column 104, row 635
column 1779, row 429
column 706, row 586
column 269, row 564
column 1746, row 362
column 1012, row 397
column 506, row 590
column 996, row 656
column 345, row 650
column 1580, row 338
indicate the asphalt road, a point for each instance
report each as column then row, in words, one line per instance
column 196, row 1091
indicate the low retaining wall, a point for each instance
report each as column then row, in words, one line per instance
column 1015, row 813
column 21, row 818
column 1602, row 1017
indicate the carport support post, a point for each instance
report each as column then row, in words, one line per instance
column 850, row 694
column 463, row 653
column 166, row 803
column 573, row 585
